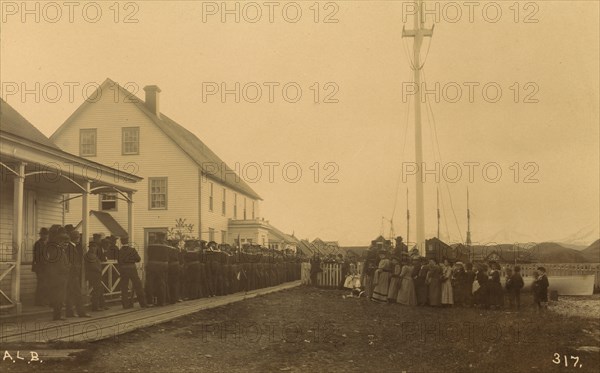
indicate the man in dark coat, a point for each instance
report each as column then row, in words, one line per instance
column 93, row 275
column 57, row 266
column 127, row 259
column 173, row 275
column 191, row 259
column 157, row 269
column 514, row 284
column 74, row 295
column 37, row 266
column 541, row 288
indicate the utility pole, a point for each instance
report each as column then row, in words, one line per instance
column 418, row 33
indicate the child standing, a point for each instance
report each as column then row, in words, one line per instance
column 542, row 289
column 516, row 284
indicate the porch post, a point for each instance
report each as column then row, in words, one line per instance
column 130, row 216
column 19, row 182
column 85, row 234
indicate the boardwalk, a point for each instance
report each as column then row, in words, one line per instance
column 115, row 321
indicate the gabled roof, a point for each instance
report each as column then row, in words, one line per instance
column 281, row 236
column 14, row 123
column 305, row 248
column 189, row 143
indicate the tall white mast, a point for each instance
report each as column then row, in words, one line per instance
column 418, row 33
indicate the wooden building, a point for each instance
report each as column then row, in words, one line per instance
column 184, row 179
column 36, row 174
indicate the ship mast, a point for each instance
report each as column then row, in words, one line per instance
column 468, row 221
column 418, row 33
column 407, row 222
column 438, row 214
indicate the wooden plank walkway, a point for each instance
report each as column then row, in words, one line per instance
column 114, row 322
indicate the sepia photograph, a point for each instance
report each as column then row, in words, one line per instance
column 406, row 186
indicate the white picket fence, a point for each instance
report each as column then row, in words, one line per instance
column 330, row 277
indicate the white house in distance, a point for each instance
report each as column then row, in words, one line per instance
column 35, row 175
column 183, row 178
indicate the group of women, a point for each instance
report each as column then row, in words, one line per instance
column 421, row 281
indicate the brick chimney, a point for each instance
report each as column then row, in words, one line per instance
column 153, row 99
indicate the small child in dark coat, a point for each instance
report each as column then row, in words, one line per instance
column 514, row 284
column 540, row 289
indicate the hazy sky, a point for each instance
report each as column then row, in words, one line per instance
column 551, row 52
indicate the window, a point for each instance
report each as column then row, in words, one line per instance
column 250, row 241
column 223, row 205
column 235, row 205
column 223, row 236
column 210, row 197
column 108, row 202
column 211, row 234
column 130, row 140
column 87, row 142
column 244, row 208
column 253, row 216
column 157, row 193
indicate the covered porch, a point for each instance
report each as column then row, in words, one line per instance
column 34, row 180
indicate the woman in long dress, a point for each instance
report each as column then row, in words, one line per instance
column 434, row 277
column 381, row 279
column 421, row 286
column 394, row 280
column 481, row 295
column 406, row 294
column 447, row 294
column 495, row 292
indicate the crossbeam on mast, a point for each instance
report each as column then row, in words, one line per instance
column 418, row 33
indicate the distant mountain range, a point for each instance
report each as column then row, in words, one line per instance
column 579, row 240
column 592, row 252
column 545, row 252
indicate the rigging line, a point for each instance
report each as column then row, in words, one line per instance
column 402, row 156
column 444, row 215
column 429, row 120
column 428, row 104
column 407, row 53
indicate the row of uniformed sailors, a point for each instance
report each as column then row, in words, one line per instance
column 199, row 270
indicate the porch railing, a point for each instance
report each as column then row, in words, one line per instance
column 6, row 268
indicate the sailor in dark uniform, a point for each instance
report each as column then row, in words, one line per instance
column 173, row 275
column 191, row 259
column 128, row 257
column 37, row 266
column 157, row 269
column 74, row 296
column 57, row 266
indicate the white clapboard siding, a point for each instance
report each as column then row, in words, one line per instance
column 158, row 156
